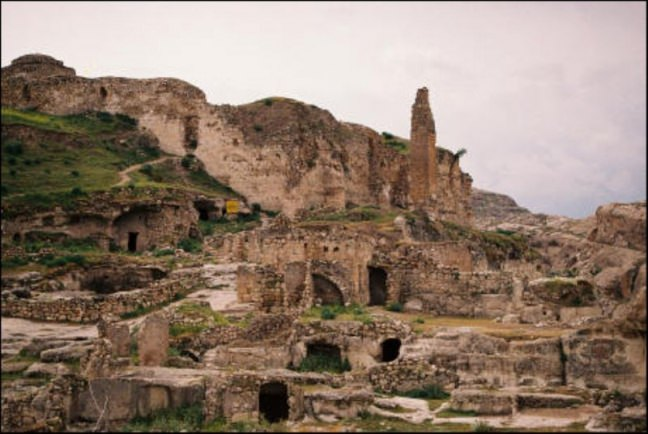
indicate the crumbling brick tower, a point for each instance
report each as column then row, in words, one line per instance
column 423, row 161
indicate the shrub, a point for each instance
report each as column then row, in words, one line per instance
column 267, row 102
column 14, row 148
column 183, row 419
column 187, row 161
column 147, row 169
column 75, row 173
column 163, row 252
column 127, row 120
column 419, row 320
column 258, row 128
column 193, row 144
column 4, row 189
column 395, row 307
column 12, row 161
column 190, row 245
column 77, row 191
column 104, row 117
column 50, row 260
column 327, row 313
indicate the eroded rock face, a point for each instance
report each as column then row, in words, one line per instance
column 280, row 153
column 621, row 224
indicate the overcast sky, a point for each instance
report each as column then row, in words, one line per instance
column 549, row 99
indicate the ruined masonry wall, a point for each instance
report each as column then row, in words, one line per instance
column 90, row 309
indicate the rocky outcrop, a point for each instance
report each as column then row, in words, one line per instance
column 491, row 209
column 280, row 153
column 621, row 224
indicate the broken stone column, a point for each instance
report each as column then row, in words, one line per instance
column 117, row 334
column 153, row 340
column 423, row 161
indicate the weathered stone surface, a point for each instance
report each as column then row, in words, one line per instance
column 482, row 401
column 343, row 403
column 39, row 369
column 117, row 334
column 547, row 400
column 153, row 340
column 604, row 361
column 69, row 352
column 621, row 224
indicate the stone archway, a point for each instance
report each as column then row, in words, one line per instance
column 325, row 291
column 377, row 286
column 273, row 401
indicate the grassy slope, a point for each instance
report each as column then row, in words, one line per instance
column 89, row 153
column 91, row 163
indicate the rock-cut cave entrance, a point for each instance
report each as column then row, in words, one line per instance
column 273, row 401
column 325, row 291
column 390, row 349
column 377, row 286
column 132, row 241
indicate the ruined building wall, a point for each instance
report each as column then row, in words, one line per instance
column 157, row 221
column 280, row 153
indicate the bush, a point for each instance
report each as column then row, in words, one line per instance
column 75, row 173
column 328, row 313
column 146, row 169
column 395, row 307
column 14, row 148
column 190, row 245
column 258, row 128
column 50, row 260
column 127, row 120
column 104, row 117
column 12, row 161
column 187, row 161
column 163, row 252
column 77, row 191
column 267, row 102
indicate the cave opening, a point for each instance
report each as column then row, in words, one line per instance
column 390, row 349
column 132, row 241
column 273, row 401
column 377, row 286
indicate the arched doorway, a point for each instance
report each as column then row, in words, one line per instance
column 377, row 286
column 273, row 401
column 390, row 349
column 325, row 291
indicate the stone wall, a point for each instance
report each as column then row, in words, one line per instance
column 91, row 308
column 158, row 218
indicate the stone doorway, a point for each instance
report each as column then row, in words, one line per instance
column 132, row 241
column 325, row 291
column 377, row 286
column 273, row 402
column 390, row 349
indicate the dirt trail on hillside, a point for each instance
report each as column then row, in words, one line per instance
column 124, row 175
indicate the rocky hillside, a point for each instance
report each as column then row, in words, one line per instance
column 283, row 154
column 492, row 209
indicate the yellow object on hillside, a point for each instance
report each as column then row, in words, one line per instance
column 232, row 206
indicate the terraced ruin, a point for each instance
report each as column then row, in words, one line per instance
column 173, row 265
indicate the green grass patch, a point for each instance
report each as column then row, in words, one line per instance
column 190, row 245
column 323, row 363
column 395, row 307
column 374, row 423
column 456, row 413
column 142, row 310
column 88, row 159
column 398, row 144
column 353, row 312
column 183, row 419
column 90, row 123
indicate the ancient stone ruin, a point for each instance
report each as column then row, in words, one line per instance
column 269, row 267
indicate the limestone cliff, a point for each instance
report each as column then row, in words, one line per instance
column 280, row 153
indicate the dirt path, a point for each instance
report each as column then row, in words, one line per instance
column 124, row 175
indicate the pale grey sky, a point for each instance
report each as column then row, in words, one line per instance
column 549, row 99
